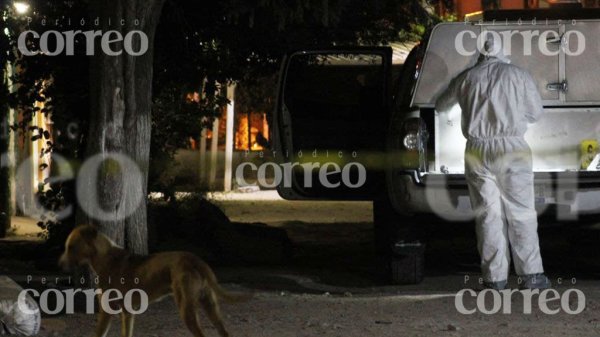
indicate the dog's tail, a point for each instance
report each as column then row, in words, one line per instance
column 227, row 296
column 213, row 283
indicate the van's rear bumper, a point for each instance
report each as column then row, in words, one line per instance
column 447, row 195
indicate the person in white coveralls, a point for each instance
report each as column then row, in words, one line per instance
column 498, row 100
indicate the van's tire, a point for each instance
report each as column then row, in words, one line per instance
column 397, row 266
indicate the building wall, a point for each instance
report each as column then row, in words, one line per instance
column 464, row 7
column 591, row 3
column 512, row 4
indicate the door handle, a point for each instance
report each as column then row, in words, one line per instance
column 560, row 86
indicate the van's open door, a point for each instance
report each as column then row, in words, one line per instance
column 330, row 123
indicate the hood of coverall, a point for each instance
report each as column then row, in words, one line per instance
column 493, row 48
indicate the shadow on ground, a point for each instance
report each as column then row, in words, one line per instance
column 340, row 258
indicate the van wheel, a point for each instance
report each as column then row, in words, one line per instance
column 400, row 253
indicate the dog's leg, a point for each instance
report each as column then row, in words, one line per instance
column 103, row 323
column 127, row 321
column 211, row 306
column 188, row 311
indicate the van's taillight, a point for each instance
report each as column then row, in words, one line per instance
column 411, row 141
column 415, row 134
column 414, row 142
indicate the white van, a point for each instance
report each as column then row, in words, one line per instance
column 352, row 105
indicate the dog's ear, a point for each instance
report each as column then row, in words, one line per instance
column 88, row 232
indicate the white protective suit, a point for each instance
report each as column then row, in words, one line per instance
column 497, row 101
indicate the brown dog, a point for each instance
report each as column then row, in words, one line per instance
column 189, row 279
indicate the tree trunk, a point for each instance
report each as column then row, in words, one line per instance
column 120, row 123
column 5, row 183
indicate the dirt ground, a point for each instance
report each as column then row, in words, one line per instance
column 330, row 287
column 281, row 315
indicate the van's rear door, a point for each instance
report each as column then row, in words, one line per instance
column 582, row 63
column 563, row 60
column 330, row 122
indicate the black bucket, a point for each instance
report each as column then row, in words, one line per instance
column 408, row 262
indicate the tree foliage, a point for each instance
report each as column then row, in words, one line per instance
column 59, row 82
column 236, row 39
